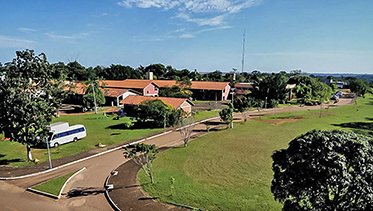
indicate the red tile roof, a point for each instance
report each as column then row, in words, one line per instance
column 112, row 92
column 78, row 88
column 165, row 83
column 127, row 84
column 209, row 85
column 204, row 85
column 243, row 85
column 137, row 99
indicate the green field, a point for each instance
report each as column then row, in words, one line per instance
column 100, row 129
column 231, row 169
column 53, row 186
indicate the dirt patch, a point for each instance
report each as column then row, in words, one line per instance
column 278, row 121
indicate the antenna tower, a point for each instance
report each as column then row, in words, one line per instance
column 243, row 50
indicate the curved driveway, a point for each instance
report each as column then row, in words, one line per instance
column 87, row 188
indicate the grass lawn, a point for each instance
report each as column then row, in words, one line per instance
column 53, row 186
column 206, row 114
column 231, row 169
column 99, row 130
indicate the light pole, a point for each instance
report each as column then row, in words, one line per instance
column 49, row 154
column 94, row 97
column 164, row 122
column 265, row 105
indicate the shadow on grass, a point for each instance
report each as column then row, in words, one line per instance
column 358, row 127
column 256, row 115
column 147, row 198
column 84, row 192
column 202, row 131
column 214, row 123
column 137, row 125
column 9, row 161
column 369, row 103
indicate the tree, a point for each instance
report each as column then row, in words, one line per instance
column 76, row 71
column 179, row 90
column 358, row 86
column 29, row 97
column 271, row 87
column 158, row 70
column 226, row 115
column 155, row 110
column 214, row 76
column 186, row 130
column 325, row 170
column 143, row 155
column 93, row 95
column 243, row 104
column 321, row 93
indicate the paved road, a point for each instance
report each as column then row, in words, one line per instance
column 88, row 186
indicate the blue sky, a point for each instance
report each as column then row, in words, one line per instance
column 333, row 36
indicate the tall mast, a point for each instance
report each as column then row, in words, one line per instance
column 243, row 50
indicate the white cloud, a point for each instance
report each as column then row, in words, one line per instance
column 67, row 37
column 26, row 29
column 100, row 15
column 166, row 4
column 213, row 21
column 193, row 34
column 214, row 11
column 186, row 36
column 194, row 6
column 14, row 42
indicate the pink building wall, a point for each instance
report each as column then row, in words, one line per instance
column 226, row 91
column 150, row 90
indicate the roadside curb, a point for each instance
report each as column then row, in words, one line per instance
column 59, row 195
column 111, row 202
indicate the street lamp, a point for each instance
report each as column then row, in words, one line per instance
column 49, row 154
column 94, row 97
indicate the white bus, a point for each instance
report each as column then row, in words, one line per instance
column 62, row 133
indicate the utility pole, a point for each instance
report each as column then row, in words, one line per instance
column 49, row 154
column 164, row 122
column 94, row 97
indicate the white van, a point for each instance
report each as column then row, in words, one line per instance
column 62, row 133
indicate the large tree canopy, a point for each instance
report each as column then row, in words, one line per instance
column 358, row 86
column 159, row 112
column 270, row 87
column 325, row 170
column 29, row 97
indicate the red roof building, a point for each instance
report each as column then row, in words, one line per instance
column 242, row 88
column 178, row 103
column 202, row 90
column 112, row 95
column 145, row 87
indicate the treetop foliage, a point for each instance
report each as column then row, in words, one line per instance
column 159, row 112
column 29, row 97
column 325, row 170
